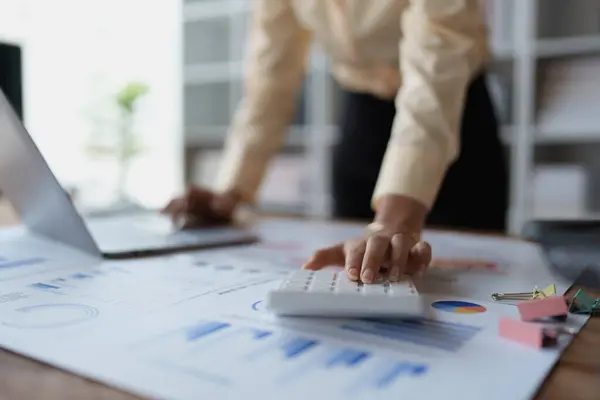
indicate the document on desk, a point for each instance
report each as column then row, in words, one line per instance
column 195, row 326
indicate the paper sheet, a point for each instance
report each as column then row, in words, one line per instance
column 194, row 326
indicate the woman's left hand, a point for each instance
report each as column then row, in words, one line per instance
column 393, row 248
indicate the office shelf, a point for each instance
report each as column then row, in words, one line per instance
column 548, row 92
column 214, row 51
column 569, row 46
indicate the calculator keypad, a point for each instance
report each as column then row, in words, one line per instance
column 338, row 282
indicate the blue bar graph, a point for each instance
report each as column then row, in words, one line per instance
column 298, row 346
column 260, row 334
column 397, row 370
column 5, row 264
column 202, row 330
column 45, row 286
column 72, row 280
column 446, row 336
column 81, row 276
column 98, row 272
column 200, row 263
column 347, row 358
column 225, row 353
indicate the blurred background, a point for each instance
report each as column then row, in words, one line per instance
column 129, row 100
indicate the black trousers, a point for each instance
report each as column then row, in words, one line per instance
column 474, row 193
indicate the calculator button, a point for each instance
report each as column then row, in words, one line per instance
column 295, row 286
column 345, row 283
column 301, row 275
column 325, row 276
column 317, row 283
column 400, row 289
column 347, row 288
column 296, row 281
column 320, row 288
column 374, row 289
column 342, row 277
column 380, row 280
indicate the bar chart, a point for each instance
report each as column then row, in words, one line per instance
column 67, row 282
column 446, row 336
column 17, row 266
column 232, row 355
column 6, row 263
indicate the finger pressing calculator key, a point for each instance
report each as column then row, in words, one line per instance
column 332, row 294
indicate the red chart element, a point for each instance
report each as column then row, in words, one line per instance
column 288, row 246
column 465, row 264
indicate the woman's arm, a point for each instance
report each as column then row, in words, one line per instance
column 439, row 54
column 277, row 59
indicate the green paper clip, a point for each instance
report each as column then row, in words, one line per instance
column 595, row 307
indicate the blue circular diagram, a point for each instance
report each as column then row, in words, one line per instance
column 45, row 316
column 258, row 306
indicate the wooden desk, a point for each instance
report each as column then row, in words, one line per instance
column 575, row 377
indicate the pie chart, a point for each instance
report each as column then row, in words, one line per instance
column 49, row 316
column 458, row 307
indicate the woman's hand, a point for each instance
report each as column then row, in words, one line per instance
column 391, row 247
column 367, row 258
column 199, row 206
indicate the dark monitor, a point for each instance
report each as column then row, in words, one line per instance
column 11, row 75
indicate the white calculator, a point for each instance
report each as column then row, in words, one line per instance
column 331, row 294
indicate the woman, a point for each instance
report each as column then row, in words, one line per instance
column 419, row 137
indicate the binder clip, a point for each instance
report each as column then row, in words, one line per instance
column 554, row 307
column 516, row 295
column 548, row 291
column 536, row 293
column 583, row 303
column 533, row 335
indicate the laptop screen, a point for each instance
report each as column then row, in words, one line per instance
column 11, row 76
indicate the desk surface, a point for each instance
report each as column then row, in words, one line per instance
column 575, row 377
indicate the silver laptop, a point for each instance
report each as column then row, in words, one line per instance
column 46, row 210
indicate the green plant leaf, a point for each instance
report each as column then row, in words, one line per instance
column 130, row 94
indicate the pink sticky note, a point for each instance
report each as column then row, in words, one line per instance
column 552, row 306
column 522, row 332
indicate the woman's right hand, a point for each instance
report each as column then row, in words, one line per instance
column 200, row 207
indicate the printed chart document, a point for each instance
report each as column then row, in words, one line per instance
column 194, row 325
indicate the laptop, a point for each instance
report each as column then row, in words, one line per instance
column 45, row 208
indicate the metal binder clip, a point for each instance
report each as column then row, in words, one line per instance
column 546, row 292
column 516, row 295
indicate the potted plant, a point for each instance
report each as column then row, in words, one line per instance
column 127, row 145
